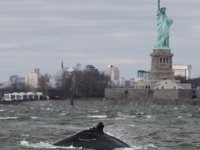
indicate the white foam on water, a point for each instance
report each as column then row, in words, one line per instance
column 63, row 114
column 8, row 118
column 120, row 118
column 140, row 113
column 146, row 147
column 33, row 117
column 49, row 109
column 131, row 148
column 109, row 133
column 98, row 116
column 126, row 116
column 2, row 110
column 123, row 117
column 43, row 145
column 25, row 135
column 175, row 108
column 179, row 117
column 148, row 116
column 151, row 145
column 131, row 125
column 189, row 115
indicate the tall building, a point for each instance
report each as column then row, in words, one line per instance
column 90, row 68
column 59, row 74
column 78, row 67
column 32, row 78
column 126, row 83
column 17, row 81
column 182, row 70
column 114, row 74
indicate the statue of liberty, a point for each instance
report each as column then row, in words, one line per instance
column 163, row 25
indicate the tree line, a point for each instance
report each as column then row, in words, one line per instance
column 76, row 84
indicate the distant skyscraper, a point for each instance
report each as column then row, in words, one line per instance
column 142, row 75
column 62, row 65
column 59, row 75
column 17, row 81
column 90, row 68
column 78, row 67
column 114, row 74
column 32, row 78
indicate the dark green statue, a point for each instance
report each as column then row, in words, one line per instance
column 163, row 25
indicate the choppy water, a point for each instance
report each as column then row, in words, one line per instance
column 36, row 125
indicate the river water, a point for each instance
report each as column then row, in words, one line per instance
column 36, row 125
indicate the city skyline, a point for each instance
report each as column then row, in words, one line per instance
column 42, row 33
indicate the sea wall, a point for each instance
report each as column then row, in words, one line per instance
column 142, row 94
column 165, row 94
column 127, row 93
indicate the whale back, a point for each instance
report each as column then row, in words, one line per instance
column 92, row 139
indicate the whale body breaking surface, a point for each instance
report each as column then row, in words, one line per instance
column 93, row 138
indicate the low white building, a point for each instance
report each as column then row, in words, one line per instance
column 182, row 70
column 23, row 96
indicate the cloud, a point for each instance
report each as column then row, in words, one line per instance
column 99, row 32
column 195, row 29
column 7, row 46
column 116, row 61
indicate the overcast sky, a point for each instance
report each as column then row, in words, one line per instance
column 42, row 33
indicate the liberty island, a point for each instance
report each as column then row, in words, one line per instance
column 161, row 87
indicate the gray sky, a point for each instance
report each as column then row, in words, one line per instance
column 42, row 33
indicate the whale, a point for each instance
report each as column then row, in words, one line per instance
column 93, row 138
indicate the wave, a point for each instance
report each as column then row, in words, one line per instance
column 138, row 147
column 8, row 118
column 98, row 116
column 131, row 125
column 34, row 118
column 149, row 116
column 126, row 116
column 2, row 110
column 43, row 145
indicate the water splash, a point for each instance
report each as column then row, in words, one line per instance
column 8, row 118
column 44, row 145
column 34, row 118
column 2, row 110
column 98, row 116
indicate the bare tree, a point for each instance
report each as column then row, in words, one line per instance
column 44, row 83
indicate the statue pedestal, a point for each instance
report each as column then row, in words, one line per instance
column 161, row 65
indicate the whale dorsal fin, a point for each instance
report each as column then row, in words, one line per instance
column 98, row 128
